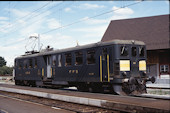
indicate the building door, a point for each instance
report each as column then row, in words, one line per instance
column 152, row 70
column 49, row 63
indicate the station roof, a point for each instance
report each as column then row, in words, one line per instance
column 154, row 31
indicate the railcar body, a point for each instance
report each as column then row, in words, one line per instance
column 118, row 66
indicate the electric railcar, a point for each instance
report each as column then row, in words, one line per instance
column 117, row 66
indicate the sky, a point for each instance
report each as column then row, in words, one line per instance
column 63, row 24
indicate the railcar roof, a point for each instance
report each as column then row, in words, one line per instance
column 135, row 42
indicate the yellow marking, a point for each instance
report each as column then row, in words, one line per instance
column 91, row 73
column 142, row 65
column 100, row 68
column 124, row 65
column 108, row 68
column 43, row 72
column 134, row 62
column 77, row 71
column 69, row 71
column 54, row 71
column 27, row 72
column 51, row 71
column 72, row 71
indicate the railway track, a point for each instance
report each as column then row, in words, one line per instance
column 87, row 102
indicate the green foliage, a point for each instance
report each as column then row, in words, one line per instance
column 2, row 62
column 6, row 70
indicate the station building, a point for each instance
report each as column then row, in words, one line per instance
column 154, row 31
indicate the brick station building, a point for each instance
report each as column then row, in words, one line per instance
column 154, row 31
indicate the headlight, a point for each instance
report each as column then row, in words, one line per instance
column 142, row 65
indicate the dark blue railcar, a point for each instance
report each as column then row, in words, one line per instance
column 118, row 66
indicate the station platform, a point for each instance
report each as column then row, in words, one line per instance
column 127, row 103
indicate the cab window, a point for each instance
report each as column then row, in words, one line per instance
column 134, row 50
column 123, row 51
column 141, row 52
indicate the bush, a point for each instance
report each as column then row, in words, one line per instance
column 6, row 70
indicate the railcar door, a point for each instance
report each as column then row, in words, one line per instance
column 104, row 66
column 49, row 63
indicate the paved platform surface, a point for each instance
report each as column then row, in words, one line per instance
column 100, row 100
column 10, row 105
column 163, row 86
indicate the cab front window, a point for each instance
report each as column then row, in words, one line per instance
column 141, row 52
column 124, row 51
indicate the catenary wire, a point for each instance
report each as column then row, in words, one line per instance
column 81, row 20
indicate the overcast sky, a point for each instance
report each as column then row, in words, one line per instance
column 61, row 24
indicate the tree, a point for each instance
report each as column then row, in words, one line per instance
column 6, row 70
column 2, row 62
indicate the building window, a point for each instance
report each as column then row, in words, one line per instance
column 141, row 51
column 59, row 60
column 79, row 58
column 91, row 57
column 68, row 59
column 164, row 68
column 124, row 51
column 134, row 51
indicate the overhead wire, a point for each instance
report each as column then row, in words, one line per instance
column 27, row 15
column 82, row 20
column 30, row 24
column 16, row 29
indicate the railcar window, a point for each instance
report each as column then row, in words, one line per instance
column 104, row 54
column 59, row 60
column 79, row 58
column 141, row 51
column 68, row 59
column 20, row 64
column 35, row 63
column 91, row 57
column 30, row 63
column 134, row 51
column 124, row 51
column 25, row 63
column 54, row 60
